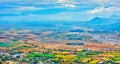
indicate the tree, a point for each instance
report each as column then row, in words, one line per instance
column 0, row 62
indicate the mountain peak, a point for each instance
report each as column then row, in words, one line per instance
column 97, row 20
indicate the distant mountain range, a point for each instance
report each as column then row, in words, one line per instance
column 115, row 26
column 107, row 27
column 98, row 20
column 106, row 24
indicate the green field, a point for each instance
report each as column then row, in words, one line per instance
column 7, row 44
column 117, row 58
column 41, row 55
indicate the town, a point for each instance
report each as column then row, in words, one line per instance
column 48, row 47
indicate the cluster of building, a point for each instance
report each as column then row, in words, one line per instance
column 25, row 46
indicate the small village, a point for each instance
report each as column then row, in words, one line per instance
column 27, row 50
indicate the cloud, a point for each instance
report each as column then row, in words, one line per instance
column 68, row 10
column 62, row 1
column 97, row 10
column 68, row 5
column 27, row 8
column 107, row 2
column 67, row 1
column 105, row 10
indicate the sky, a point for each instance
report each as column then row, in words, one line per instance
column 57, row 10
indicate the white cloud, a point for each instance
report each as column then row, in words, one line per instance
column 62, row 1
column 107, row 2
column 69, row 5
column 97, row 10
column 105, row 10
column 28, row 8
